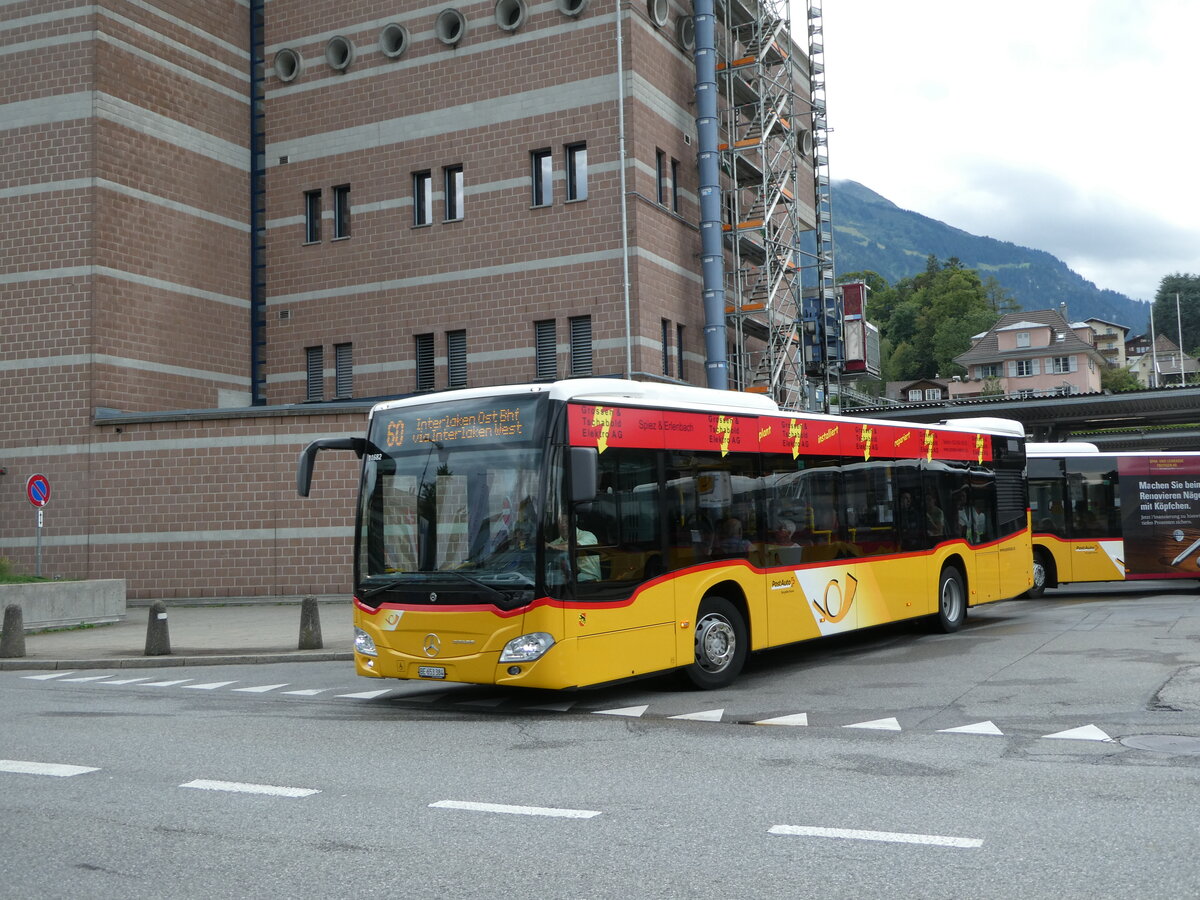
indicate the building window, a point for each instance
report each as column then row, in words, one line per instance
column 456, row 358
column 314, row 388
column 577, row 172
column 666, row 346
column 581, row 345
column 422, row 198
column 341, row 211
column 675, row 185
column 991, row 370
column 933, row 393
column 1063, row 365
column 679, row 353
column 914, row 395
column 453, row 185
column 660, row 177
column 541, row 165
column 425, row 368
column 545, row 350
column 343, row 370
column 1024, row 367
column 1022, row 338
column 312, row 217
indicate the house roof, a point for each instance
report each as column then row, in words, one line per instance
column 1124, row 328
column 987, row 348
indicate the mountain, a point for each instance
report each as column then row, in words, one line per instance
column 871, row 232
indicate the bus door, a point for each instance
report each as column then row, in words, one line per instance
column 1094, row 519
column 979, row 528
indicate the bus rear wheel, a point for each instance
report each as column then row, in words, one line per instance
column 952, row 601
column 721, row 644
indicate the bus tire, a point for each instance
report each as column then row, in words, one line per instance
column 1041, row 573
column 952, row 601
column 721, row 644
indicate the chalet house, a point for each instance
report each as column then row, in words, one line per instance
column 923, row 390
column 1164, row 365
column 1033, row 353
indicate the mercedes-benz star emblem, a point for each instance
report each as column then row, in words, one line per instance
column 433, row 645
column 433, row 597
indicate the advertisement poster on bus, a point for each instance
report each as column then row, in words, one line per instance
column 1160, row 516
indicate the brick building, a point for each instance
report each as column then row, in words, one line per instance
column 209, row 263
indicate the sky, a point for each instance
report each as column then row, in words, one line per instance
column 1069, row 126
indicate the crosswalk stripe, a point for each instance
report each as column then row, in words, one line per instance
column 515, row 810
column 237, row 787
column 58, row 770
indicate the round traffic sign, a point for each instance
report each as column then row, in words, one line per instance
column 37, row 489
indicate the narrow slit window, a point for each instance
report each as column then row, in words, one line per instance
column 679, row 370
column 577, row 188
column 341, row 211
column 422, row 198
column 541, row 163
column 660, row 177
column 674, row 185
column 312, row 217
column 453, row 178
column 666, row 346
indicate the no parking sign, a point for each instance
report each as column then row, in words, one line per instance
column 37, row 489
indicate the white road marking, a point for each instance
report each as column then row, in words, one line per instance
column 309, row 692
column 894, row 837
column 552, row 707
column 210, row 686
column 58, row 770
column 48, row 676
column 988, row 727
column 796, row 719
column 515, row 810
column 89, row 678
column 237, row 787
column 879, row 724
column 632, row 711
column 130, row 680
column 367, row 695
column 709, row 715
column 260, row 689
column 1083, row 733
column 168, row 683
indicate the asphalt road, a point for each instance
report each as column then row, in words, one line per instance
column 990, row 763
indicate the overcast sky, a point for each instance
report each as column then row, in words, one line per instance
column 1068, row 126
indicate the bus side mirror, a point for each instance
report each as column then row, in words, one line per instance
column 309, row 455
column 584, row 464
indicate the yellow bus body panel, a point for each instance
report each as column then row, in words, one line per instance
column 1085, row 559
column 654, row 630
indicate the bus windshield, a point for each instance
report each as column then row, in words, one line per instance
column 450, row 494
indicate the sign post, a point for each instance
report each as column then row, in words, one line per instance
column 37, row 489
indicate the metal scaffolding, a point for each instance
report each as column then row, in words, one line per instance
column 768, row 142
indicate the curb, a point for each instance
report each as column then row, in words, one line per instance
column 155, row 662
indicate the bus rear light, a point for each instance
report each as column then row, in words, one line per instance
column 364, row 643
column 527, row 647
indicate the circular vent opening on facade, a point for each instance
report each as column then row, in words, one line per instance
column 451, row 26
column 571, row 7
column 510, row 14
column 393, row 40
column 685, row 32
column 339, row 53
column 659, row 10
column 289, row 64
column 806, row 143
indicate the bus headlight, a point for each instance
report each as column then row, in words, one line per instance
column 364, row 643
column 527, row 647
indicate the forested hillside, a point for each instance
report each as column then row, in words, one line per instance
column 872, row 233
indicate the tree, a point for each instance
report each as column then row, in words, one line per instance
column 1166, row 321
column 1116, row 379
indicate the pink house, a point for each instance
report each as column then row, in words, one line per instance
column 1031, row 354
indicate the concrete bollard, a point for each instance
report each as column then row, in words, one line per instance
column 12, row 641
column 158, row 638
column 310, row 625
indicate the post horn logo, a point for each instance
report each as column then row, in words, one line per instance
column 836, row 604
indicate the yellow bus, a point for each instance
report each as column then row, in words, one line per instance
column 1112, row 516
column 588, row 531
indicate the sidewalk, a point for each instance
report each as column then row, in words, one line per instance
column 223, row 633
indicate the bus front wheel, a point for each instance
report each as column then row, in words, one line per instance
column 952, row 601
column 721, row 644
column 1040, row 574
